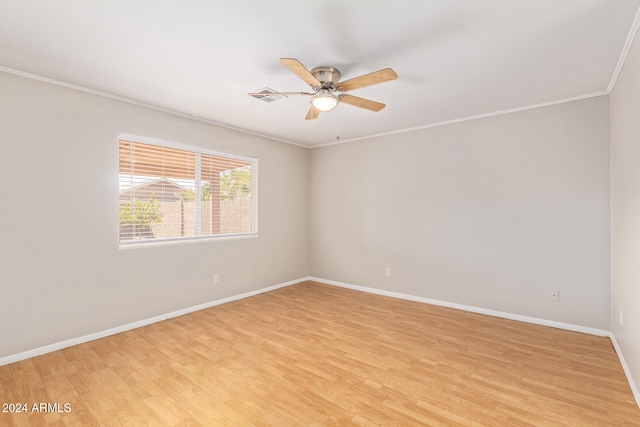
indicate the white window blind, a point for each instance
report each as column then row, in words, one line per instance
column 169, row 193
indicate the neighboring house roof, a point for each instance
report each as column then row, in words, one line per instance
column 162, row 189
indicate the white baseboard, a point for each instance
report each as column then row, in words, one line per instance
column 537, row 321
column 627, row 371
column 86, row 338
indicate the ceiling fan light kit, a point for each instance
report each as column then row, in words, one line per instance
column 324, row 101
column 325, row 81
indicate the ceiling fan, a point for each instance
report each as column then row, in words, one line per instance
column 325, row 82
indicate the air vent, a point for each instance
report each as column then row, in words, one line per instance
column 267, row 95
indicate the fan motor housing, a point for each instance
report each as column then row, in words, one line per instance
column 328, row 76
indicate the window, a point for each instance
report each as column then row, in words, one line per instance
column 168, row 192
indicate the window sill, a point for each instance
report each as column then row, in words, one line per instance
column 184, row 241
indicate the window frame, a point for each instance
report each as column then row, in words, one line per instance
column 198, row 151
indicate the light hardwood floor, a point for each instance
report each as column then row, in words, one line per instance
column 312, row 354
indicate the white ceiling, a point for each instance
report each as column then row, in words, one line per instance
column 454, row 59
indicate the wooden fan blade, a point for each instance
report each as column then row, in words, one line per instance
column 368, row 80
column 313, row 113
column 362, row 102
column 299, row 70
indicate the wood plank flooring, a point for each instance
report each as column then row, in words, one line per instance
column 317, row 355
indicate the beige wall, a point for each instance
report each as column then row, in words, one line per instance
column 625, row 212
column 492, row 213
column 61, row 273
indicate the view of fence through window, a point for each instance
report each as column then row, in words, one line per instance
column 168, row 193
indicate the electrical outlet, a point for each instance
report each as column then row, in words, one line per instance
column 387, row 272
column 216, row 279
column 621, row 323
column 554, row 296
